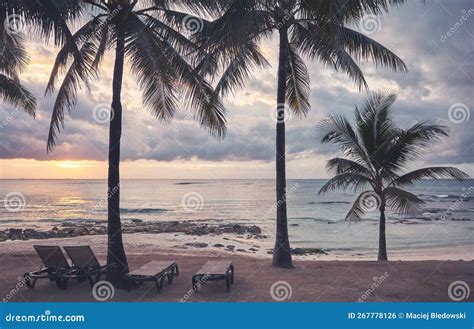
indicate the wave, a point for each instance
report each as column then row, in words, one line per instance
column 314, row 219
column 142, row 210
column 330, row 202
column 444, row 197
column 68, row 220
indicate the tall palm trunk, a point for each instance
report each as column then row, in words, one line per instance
column 281, row 251
column 116, row 259
column 382, row 240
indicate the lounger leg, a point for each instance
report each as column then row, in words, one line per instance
column 194, row 283
column 176, row 270
column 28, row 282
column 65, row 283
column 82, row 276
column 159, row 283
column 61, row 283
column 227, row 282
column 232, row 274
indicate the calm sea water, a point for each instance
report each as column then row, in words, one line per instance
column 315, row 221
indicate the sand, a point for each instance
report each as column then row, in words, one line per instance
column 310, row 280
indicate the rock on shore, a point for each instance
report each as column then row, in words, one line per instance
column 68, row 229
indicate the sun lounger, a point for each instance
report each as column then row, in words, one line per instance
column 213, row 271
column 85, row 264
column 55, row 267
column 155, row 271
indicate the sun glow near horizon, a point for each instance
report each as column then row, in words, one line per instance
column 72, row 164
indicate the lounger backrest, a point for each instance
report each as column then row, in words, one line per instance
column 51, row 256
column 82, row 256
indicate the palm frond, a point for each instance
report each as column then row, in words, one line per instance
column 150, row 63
column 297, row 83
column 403, row 202
column 430, row 172
column 361, row 47
column 375, row 126
column 358, row 210
column 49, row 18
column 88, row 33
column 354, row 181
column 339, row 166
column 338, row 130
column 67, row 93
column 14, row 93
column 315, row 43
column 13, row 56
column 409, row 144
column 239, row 69
column 169, row 69
column 346, row 11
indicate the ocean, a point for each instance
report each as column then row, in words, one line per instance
column 314, row 221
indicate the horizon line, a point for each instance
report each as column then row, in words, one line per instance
column 470, row 178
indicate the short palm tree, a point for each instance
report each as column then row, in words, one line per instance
column 160, row 58
column 13, row 60
column 313, row 29
column 377, row 154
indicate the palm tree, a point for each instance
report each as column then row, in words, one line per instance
column 377, row 154
column 314, row 29
column 161, row 59
column 13, row 60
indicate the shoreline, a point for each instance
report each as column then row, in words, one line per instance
column 229, row 244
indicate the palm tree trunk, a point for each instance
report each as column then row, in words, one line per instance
column 382, row 240
column 281, row 251
column 116, row 259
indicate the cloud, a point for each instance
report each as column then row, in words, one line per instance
column 441, row 73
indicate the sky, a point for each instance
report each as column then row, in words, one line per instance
column 435, row 39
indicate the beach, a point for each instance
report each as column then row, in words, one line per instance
column 310, row 280
column 211, row 211
column 196, row 221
